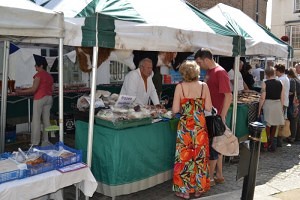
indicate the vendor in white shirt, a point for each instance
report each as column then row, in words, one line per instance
column 139, row 83
column 241, row 85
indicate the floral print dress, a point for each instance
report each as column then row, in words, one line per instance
column 192, row 149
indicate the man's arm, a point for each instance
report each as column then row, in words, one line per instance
column 226, row 105
column 262, row 98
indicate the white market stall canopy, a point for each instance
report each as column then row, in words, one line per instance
column 257, row 40
column 24, row 18
column 168, row 25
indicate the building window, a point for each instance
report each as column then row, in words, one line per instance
column 294, row 33
column 296, row 6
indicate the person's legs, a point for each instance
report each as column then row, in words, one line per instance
column 219, row 171
column 273, row 139
column 213, row 158
column 293, row 127
column 36, row 122
column 46, row 115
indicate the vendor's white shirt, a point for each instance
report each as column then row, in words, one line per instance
column 134, row 86
column 256, row 74
column 240, row 80
column 286, row 85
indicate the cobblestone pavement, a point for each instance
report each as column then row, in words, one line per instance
column 277, row 169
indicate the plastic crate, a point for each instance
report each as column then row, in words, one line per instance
column 61, row 161
column 11, row 175
column 48, row 165
column 10, row 137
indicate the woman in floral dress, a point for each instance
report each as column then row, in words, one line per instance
column 191, row 167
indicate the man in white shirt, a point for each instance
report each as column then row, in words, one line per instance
column 256, row 73
column 241, row 84
column 139, row 83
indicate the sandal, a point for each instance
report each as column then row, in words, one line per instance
column 212, row 182
column 219, row 180
column 183, row 195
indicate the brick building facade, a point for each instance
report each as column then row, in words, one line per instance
column 247, row 6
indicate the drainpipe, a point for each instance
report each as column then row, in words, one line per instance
column 256, row 18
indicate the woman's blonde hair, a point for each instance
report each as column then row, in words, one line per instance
column 189, row 70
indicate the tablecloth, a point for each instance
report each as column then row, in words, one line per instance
column 128, row 160
column 49, row 182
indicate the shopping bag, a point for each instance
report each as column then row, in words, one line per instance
column 284, row 130
column 263, row 137
column 226, row 144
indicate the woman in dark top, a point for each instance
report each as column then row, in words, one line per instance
column 271, row 101
column 247, row 77
column 294, row 89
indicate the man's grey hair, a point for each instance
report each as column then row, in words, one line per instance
column 141, row 63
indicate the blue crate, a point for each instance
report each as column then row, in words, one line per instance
column 60, row 161
column 10, row 137
column 5, row 155
column 12, row 175
column 48, row 165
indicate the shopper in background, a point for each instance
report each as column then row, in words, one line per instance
column 221, row 96
column 247, row 76
column 191, row 166
column 294, row 89
column 271, row 102
column 42, row 101
column 280, row 73
column 241, row 84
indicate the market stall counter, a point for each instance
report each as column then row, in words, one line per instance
column 128, row 160
column 49, row 182
column 247, row 109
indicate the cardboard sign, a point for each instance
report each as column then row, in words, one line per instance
column 124, row 101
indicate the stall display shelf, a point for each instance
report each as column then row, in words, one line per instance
column 60, row 161
column 47, row 166
column 10, row 175
column 122, row 124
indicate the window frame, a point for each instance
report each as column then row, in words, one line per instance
column 296, row 6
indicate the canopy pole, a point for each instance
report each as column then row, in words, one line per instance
column 92, row 104
column 4, row 94
column 61, row 92
column 235, row 92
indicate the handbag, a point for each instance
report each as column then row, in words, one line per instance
column 226, row 144
column 264, row 138
column 284, row 130
column 214, row 124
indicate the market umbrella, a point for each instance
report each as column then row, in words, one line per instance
column 257, row 39
column 168, row 25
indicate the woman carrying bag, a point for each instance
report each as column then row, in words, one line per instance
column 293, row 111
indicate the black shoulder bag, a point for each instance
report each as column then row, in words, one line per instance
column 215, row 125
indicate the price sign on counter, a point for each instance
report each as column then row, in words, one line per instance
column 124, row 101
